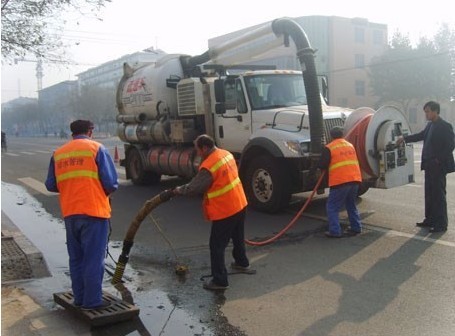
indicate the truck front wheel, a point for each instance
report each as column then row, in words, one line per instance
column 267, row 184
column 136, row 171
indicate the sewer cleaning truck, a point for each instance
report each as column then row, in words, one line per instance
column 275, row 122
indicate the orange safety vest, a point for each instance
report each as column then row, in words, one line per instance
column 78, row 182
column 344, row 166
column 225, row 196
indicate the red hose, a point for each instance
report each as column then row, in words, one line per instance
column 357, row 137
column 291, row 223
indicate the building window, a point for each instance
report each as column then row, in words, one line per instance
column 377, row 37
column 359, row 88
column 359, row 61
column 359, row 35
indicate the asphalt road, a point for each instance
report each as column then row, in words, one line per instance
column 395, row 279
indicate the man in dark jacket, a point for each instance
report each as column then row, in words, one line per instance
column 437, row 162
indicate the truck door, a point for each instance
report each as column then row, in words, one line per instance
column 233, row 128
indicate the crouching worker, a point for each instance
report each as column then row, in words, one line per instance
column 339, row 159
column 224, row 204
column 83, row 172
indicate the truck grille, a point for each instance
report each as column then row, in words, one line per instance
column 328, row 124
column 186, row 99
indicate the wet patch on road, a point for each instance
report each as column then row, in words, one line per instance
column 170, row 304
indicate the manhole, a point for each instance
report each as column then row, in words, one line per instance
column 118, row 311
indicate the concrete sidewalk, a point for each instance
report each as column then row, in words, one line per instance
column 21, row 315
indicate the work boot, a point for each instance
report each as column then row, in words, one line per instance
column 243, row 269
column 210, row 285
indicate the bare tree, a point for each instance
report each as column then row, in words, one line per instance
column 35, row 26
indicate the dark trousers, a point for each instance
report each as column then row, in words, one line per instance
column 435, row 197
column 86, row 241
column 222, row 232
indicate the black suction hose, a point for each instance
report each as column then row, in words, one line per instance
column 128, row 242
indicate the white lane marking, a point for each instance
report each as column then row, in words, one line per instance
column 413, row 185
column 388, row 232
column 11, row 154
column 391, row 233
column 27, row 153
column 44, row 152
column 36, row 185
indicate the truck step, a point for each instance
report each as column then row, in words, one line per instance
column 118, row 311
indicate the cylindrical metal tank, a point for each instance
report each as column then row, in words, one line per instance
column 151, row 131
column 145, row 90
column 174, row 161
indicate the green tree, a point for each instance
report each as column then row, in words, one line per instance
column 35, row 26
column 405, row 73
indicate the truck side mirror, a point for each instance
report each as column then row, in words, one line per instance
column 219, row 91
column 220, row 108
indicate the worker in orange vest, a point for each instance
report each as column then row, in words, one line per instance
column 224, row 204
column 84, row 175
column 339, row 158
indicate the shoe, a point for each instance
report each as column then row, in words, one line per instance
column 210, row 285
column 104, row 305
column 239, row 268
column 330, row 235
column 424, row 223
column 351, row 233
column 435, row 229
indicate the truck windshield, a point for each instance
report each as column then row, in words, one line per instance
column 275, row 90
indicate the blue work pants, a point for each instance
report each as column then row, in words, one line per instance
column 86, row 241
column 339, row 197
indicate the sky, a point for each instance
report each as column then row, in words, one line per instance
column 177, row 26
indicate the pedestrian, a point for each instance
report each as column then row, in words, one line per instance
column 437, row 161
column 339, row 159
column 84, row 175
column 224, row 203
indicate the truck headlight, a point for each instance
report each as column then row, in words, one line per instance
column 299, row 148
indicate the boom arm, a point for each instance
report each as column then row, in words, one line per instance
column 261, row 40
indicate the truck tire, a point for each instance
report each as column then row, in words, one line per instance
column 136, row 171
column 267, row 184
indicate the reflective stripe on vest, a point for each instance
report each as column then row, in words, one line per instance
column 225, row 196
column 76, row 172
column 224, row 190
column 344, row 165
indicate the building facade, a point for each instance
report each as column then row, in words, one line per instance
column 108, row 75
column 343, row 48
column 58, row 106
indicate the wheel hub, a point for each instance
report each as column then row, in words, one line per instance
column 262, row 185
